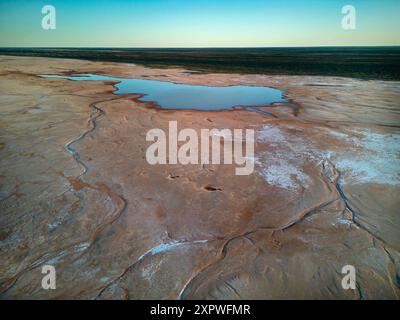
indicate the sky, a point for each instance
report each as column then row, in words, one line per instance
column 198, row 23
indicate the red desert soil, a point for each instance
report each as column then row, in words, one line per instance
column 324, row 193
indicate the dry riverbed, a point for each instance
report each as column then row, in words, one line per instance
column 324, row 193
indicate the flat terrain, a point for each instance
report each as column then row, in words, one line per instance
column 324, row 192
column 357, row 62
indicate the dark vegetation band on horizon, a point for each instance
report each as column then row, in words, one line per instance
column 357, row 62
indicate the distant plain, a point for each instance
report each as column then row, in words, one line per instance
column 378, row 63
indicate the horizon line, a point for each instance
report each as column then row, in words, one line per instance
column 222, row 47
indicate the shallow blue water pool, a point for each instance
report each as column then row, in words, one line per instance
column 169, row 95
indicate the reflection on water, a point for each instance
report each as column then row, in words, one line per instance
column 170, row 95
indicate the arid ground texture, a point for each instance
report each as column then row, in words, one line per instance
column 76, row 191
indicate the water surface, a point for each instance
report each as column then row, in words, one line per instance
column 169, row 95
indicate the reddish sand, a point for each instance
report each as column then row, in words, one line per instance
column 324, row 192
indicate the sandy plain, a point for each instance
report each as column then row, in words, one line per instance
column 324, row 194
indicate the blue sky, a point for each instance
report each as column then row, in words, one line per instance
column 199, row 23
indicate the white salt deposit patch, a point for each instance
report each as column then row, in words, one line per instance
column 164, row 247
column 283, row 168
column 343, row 221
column 371, row 157
column 150, row 270
column 378, row 161
column 340, row 135
column 378, row 142
column 104, row 279
column 271, row 135
column 284, row 175
column 75, row 249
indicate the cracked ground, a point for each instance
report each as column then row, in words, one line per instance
column 76, row 190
